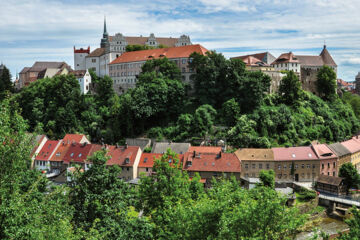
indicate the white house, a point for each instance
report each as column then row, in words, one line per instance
column 84, row 79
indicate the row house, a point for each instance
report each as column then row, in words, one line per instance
column 146, row 163
column 353, row 146
column 328, row 160
column 125, row 69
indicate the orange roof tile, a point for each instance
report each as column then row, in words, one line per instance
column 204, row 149
column 147, row 159
column 210, row 162
column 47, row 150
column 174, row 52
column 122, row 156
column 294, row 154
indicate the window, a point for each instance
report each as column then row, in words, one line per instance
column 72, row 154
column 267, row 166
column 279, row 167
column 334, row 164
column 302, row 165
column 284, row 166
column 145, row 160
column 246, row 166
column 328, row 165
column 322, row 166
column 57, row 154
column 183, row 69
column 260, row 165
column 80, row 154
column 334, row 174
column 127, row 169
column 93, row 60
column 296, row 166
column 307, row 165
column 183, row 61
column 253, row 166
column 328, row 173
column 313, row 165
column 147, row 169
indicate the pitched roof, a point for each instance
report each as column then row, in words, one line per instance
column 47, row 150
column 147, row 159
column 310, row 60
column 97, row 52
column 24, row 70
column 294, row 154
column 256, row 154
column 35, row 141
column 41, row 66
column 173, row 52
column 323, row 151
column 205, row 149
column 339, row 149
column 141, row 142
column 78, row 73
column 210, row 162
column 74, row 138
column 286, row 58
column 352, row 145
column 327, row 59
column 264, row 57
column 331, row 180
column 60, row 152
column 179, row 148
column 77, row 152
column 122, row 156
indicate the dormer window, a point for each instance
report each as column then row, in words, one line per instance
column 80, row 154
column 293, row 155
column 127, row 160
column 309, row 155
column 58, row 154
column 145, row 160
column 72, row 154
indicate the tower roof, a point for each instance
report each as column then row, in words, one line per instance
column 327, row 59
column 105, row 31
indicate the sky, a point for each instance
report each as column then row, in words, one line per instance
column 47, row 30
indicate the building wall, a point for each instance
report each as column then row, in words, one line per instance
column 253, row 168
column 80, row 61
column 344, row 159
column 210, row 175
column 126, row 173
column 93, row 63
column 85, row 82
column 329, row 167
column 147, row 171
column 355, row 160
column 287, row 66
column 307, row 171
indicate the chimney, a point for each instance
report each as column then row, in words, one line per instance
column 194, row 154
column 126, row 145
column 219, row 155
column 117, row 145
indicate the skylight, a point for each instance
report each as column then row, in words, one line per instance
column 293, row 155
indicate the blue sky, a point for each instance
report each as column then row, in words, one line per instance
column 47, row 30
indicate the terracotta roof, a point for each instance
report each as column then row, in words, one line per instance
column 204, row 149
column 97, row 52
column 78, row 73
column 122, row 156
column 256, row 154
column 335, row 181
column 77, row 152
column 82, row 50
column 339, row 149
column 60, row 152
column 95, row 148
column 24, row 70
column 47, row 150
column 352, row 145
column 294, row 154
column 323, row 151
column 210, row 162
column 147, row 159
column 174, row 52
column 73, row 137
column 286, row 58
column 36, row 142
column 327, row 59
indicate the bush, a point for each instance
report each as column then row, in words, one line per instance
column 306, row 195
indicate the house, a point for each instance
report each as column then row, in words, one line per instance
column 112, row 47
column 179, row 148
column 45, row 154
column 261, row 62
column 296, row 163
column 38, row 143
column 330, row 185
column 253, row 160
column 125, row 69
column 141, row 142
column 353, row 145
column 84, row 79
column 288, row 62
column 127, row 158
column 77, row 138
column 205, row 149
column 77, row 154
column 344, row 155
column 41, row 70
column 210, row 165
column 328, row 159
column 146, row 163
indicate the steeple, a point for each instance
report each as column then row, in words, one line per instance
column 105, row 38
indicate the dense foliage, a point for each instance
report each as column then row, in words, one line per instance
column 138, row 47
column 223, row 101
column 6, row 86
column 350, row 175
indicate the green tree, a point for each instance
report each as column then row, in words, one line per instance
column 230, row 112
column 6, row 84
column 204, row 118
column 267, row 178
column 326, row 83
column 290, row 89
column 101, row 202
column 354, row 225
column 350, row 175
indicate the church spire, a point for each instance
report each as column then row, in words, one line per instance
column 105, row 37
column 105, row 31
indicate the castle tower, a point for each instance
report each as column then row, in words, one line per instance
column 357, row 84
column 79, row 58
column 105, row 38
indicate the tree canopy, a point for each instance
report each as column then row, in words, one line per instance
column 326, row 83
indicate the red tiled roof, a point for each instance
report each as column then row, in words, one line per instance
column 323, row 151
column 353, row 145
column 210, row 162
column 60, row 152
column 174, row 52
column 294, row 154
column 77, row 152
column 73, row 137
column 204, row 149
column 147, row 159
column 286, row 58
column 39, row 139
column 47, row 150
column 122, row 156
column 82, row 50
